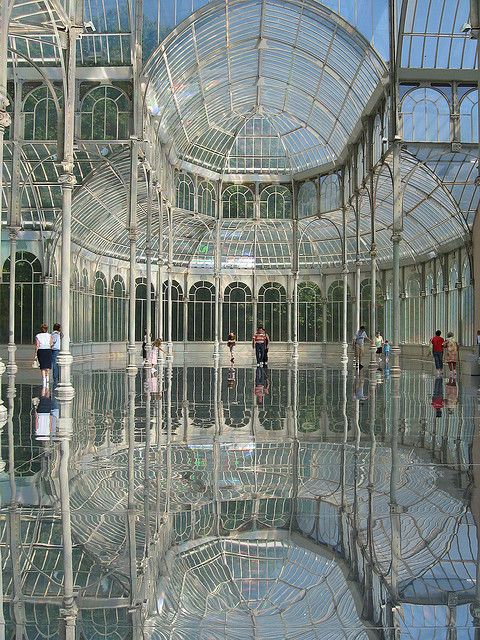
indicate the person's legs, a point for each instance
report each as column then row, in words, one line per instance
column 55, row 366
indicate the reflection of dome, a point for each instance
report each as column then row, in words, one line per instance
column 250, row 588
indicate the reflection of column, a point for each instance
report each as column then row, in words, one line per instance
column 296, row 471
column 159, row 449
column 368, row 587
column 146, row 462
column 14, row 528
column 216, row 447
column 161, row 329
column 217, row 274
column 13, row 235
column 395, row 509
column 131, row 507
column 358, row 383
column 373, row 302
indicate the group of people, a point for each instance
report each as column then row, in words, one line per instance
column 444, row 349
column 47, row 348
column 382, row 347
column 260, row 342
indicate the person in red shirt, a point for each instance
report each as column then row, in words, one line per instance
column 260, row 342
column 437, row 343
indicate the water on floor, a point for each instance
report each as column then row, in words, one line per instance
column 231, row 503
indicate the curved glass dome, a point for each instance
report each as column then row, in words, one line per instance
column 431, row 220
column 260, row 86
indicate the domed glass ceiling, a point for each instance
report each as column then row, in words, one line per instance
column 297, row 68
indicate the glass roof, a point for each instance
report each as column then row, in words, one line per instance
column 431, row 219
column 295, row 64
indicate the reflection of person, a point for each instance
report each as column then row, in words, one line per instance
column 46, row 414
column 478, row 342
column 231, row 378
column 262, row 384
column 451, row 395
column 358, row 383
column 437, row 397
column 231, row 342
column 260, row 342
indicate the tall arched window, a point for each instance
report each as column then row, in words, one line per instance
column 85, row 316
column 185, row 192
column 426, row 116
column 272, row 310
column 310, row 319
column 413, row 328
column 105, row 114
column 452, row 320
column 28, row 297
column 177, row 312
column 466, row 317
column 335, row 313
column 307, row 200
column 237, row 202
column 141, row 309
column 206, row 198
column 430, row 323
column 100, row 308
column 75, row 310
column 440, row 302
column 469, row 117
column 237, row 312
column 377, row 139
column 329, row 193
column 40, row 115
column 365, row 307
column 118, row 323
column 360, row 163
column 276, row 202
column 201, row 312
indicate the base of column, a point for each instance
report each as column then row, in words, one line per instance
column 395, row 370
column 170, row 351
column 373, row 359
column 294, row 350
column 216, row 350
column 344, row 356
column 64, row 392
column 11, row 365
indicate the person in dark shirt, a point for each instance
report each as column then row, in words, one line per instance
column 260, row 342
column 437, row 351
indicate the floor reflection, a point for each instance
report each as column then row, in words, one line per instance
column 235, row 502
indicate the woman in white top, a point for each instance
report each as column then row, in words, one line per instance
column 43, row 351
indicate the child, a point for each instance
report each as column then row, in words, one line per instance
column 156, row 348
column 386, row 351
column 231, row 342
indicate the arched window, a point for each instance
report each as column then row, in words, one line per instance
column 237, row 202
column 310, row 320
column 177, row 312
column 40, row 115
column 469, row 117
column 201, row 312
column 105, row 114
column 430, row 324
column 365, row 307
column 118, row 322
column 426, row 116
column 329, row 193
column 307, row 200
column 412, row 323
column 452, row 322
column 141, row 309
column 335, row 313
column 75, row 309
column 206, row 198
column 440, row 302
column 100, row 308
column 28, row 297
column 185, row 192
column 237, row 312
column 84, row 317
column 377, row 139
column 276, row 202
column 272, row 310
column 466, row 318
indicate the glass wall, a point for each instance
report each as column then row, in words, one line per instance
column 310, row 317
column 335, row 313
column 237, row 311
column 201, row 312
column 272, row 310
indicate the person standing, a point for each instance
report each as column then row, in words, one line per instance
column 478, row 342
column 437, row 351
column 378, row 340
column 231, row 342
column 260, row 342
column 386, row 351
column 358, row 344
column 43, row 352
column 451, row 352
column 56, row 337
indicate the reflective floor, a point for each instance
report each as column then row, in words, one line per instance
column 229, row 503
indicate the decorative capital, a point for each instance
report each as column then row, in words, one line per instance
column 397, row 236
column 13, row 233
column 132, row 234
column 67, row 180
column 5, row 119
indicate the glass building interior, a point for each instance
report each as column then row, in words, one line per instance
column 178, row 170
